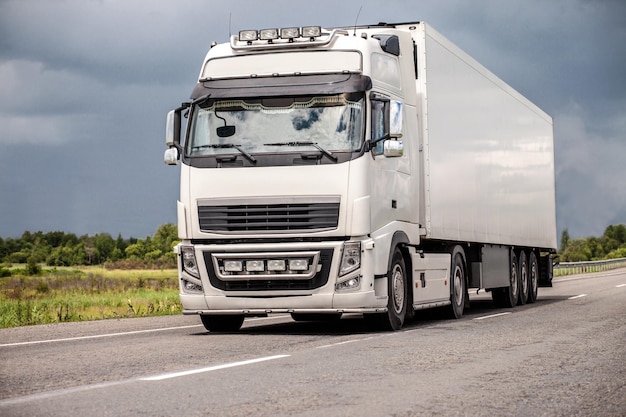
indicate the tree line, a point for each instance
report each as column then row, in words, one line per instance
column 66, row 249
column 611, row 245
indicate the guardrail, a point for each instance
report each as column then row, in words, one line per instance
column 571, row 268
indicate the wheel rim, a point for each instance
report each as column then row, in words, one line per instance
column 533, row 277
column 514, row 287
column 398, row 289
column 457, row 286
column 524, row 279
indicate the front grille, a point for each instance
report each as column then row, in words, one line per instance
column 268, row 217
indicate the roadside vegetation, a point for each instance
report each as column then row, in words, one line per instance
column 611, row 245
column 59, row 277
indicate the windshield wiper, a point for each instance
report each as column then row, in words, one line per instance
column 314, row 144
column 227, row 146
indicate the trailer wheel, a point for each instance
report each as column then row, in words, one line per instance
column 522, row 278
column 222, row 323
column 507, row 296
column 457, row 286
column 533, row 278
column 397, row 290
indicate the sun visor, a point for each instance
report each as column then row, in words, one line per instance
column 283, row 86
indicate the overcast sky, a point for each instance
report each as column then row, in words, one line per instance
column 85, row 86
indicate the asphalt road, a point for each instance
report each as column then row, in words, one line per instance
column 563, row 356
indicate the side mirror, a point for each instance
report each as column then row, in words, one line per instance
column 171, row 156
column 393, row 148
column 387, row 125
column 170, row 127
column 172, row 135
column 395, row 118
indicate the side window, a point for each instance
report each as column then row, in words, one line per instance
column 380, row 121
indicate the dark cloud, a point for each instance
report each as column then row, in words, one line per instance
column 85, row 86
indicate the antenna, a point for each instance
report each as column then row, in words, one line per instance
column 357, row 20
column 230, row 21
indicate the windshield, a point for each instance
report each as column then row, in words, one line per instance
column 266, row 125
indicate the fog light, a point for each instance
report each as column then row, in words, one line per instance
column 276, row 265
column 191, row 286
column 255, row 266
column 298, row 264
column 349, row 284
column 233, row 266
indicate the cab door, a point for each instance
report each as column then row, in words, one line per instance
column 391, row 176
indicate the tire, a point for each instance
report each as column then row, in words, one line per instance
column 507, row 296
column 522, row 278
column 315, row 316
column 397, row 302
column 222, row 323
column 458, row 290
column 533, row 278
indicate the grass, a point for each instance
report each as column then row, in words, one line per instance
column 89, row 293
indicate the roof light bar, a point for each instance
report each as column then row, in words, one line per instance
column 284, row 33
column 288, row 37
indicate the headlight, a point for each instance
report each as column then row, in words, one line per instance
column 189, row 261
column 351, row 258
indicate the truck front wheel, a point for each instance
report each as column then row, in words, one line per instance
column 457, row 286
column 222, row 323
column 398, row 296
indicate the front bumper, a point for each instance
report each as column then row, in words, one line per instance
column 263, row 299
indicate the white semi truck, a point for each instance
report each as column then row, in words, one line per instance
column 371, row 169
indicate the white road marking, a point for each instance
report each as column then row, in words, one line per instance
column 57, row 393
column 492, row 316
column 620, row 286
column 97, row 336
column 345, row 342
column 577, row 296
column 211, row 368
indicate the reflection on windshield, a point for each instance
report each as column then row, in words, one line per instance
column 332, row 122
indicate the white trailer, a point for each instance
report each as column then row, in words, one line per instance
column 371, row 169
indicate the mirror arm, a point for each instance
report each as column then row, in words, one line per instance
column 373, row 143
